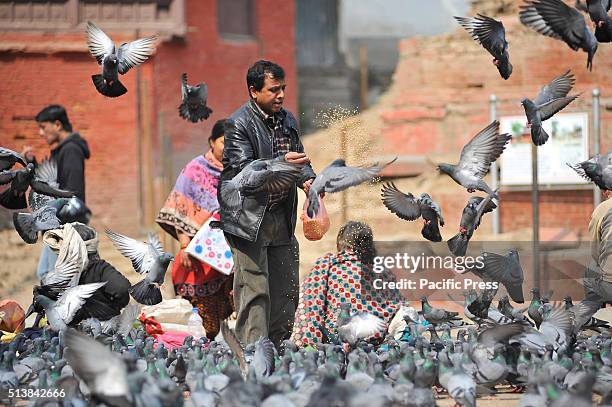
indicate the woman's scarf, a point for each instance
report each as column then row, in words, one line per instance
column 193, row 198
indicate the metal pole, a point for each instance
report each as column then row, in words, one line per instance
column 363, row 77
column 494, row 173
column 536, row 215
column 596, row 140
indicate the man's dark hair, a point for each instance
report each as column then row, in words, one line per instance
column 257, row 73
column 218, row 130
column 52, row 113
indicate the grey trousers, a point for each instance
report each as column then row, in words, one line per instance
column 596, row 289
column 266, row 281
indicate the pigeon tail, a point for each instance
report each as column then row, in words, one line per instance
column 538, row 135
column 230, row 195
column 431, row 232
column 458, row 244
column 313, row 204
column 25, row 225
column 112, row 91
column 146, row 293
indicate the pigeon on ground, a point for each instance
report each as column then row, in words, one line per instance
column 551, row 99
column 337, row 177
column 506, row 270
column 148, row 259
column 262, row 361
column 115, row 61
column 193, row 104
column 509, row 311
column 407, row 207
column 263, row 175
column 104, row 373
column 491, row 34
column 556, row 19
column 470, row 220
column 8, row 158
column 597, row 169
column 437, row 315
column 534, row 307
column 598, row 11
column 353, row 327
column 476, row 158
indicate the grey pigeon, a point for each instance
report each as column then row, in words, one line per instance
column 598, row 12
column 104, row 373
column 476, row 158
column 148, row 259
column 556, row 19
column 262, row 362
column 337, row 177
column 193, row 105
column 437, row 315
column 506, row 270
column 262, row 175
column 597, row 169
column 470, row 220
column 24, row 178
column 462, row 388
column 28, row 225
column 61, row 312
column 8, row 158
column 353, row 327
column 551, row 99
column 491, row 34
column 115, row 60
column 407, row 207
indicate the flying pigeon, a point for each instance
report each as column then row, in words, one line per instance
column 407, row 207
column 8, row 158
column 491, row 34
column 193, row 105
column 353, row 327
column 476, row 158
column 598, row 12
column 506, row 270
column 148, row 259
column 551, row 99
column 337, row 177
column 556, row 19
column 263, row 175
column 470, row 220
column 115, row 60
column 437, row 315
column 597, row 169
column 24, row 178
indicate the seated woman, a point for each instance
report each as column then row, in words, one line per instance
column 192, row 201
column 342, row 277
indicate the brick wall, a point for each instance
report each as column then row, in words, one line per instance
column 38, row 71
column 440, row 99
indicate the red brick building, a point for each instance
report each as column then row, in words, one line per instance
column 442, row 87
column 44, row 59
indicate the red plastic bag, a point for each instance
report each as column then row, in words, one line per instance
column 315, row 228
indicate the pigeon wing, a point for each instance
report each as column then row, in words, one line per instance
column 557, row 88
column 234, row 345
column 500, row 333
column 138, row 252
column 71, row 300
column 488, row 32
column 134, row 53
column 9, row 157
column 46, row 189
column 203, row 92
column 184, row 87
column 102, row 371
column 405, row 206
column 71, row 260
column 557, row 17
column 98, row 42
column 127, row 317
column 6, row 177
column 281, row 175
column 502, row 268
column 339, row 178
column 155, row 243
column 263, row 358
column 364, row 325
column 549, row 109
column 559, row 319
column 483, row 149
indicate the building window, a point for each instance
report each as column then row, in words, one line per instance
column 235, row 18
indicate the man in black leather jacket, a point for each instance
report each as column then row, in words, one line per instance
column 261, row 233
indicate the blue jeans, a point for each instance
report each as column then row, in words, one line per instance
column 47, row 260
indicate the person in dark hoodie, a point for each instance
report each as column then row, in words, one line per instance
column 69, row 150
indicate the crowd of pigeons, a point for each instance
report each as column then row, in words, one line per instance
column 560, row 354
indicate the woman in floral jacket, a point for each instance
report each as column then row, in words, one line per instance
column 342, row 277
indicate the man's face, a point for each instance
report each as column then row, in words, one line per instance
column 50, row 131
column 271, row 96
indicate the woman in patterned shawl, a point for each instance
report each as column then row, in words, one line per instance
column 343, row 277
column 192, row 201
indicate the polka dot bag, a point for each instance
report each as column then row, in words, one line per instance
column 210, row 247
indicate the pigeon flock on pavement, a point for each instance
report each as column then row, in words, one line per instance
column 555, row 354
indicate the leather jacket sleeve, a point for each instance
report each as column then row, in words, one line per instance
column 238, row 150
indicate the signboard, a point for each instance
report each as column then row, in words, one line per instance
column 568, row 143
